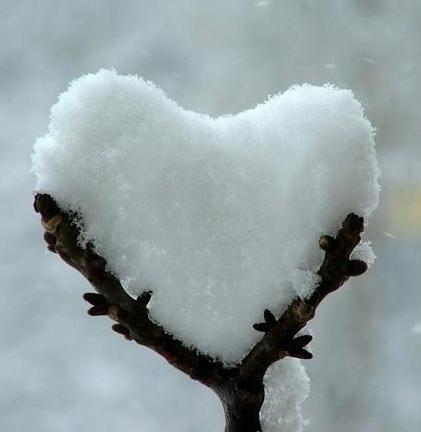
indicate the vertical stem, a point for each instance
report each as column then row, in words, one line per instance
column 248, row 422
column 241, row 406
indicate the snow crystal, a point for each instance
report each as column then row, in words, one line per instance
column 364, row 252
column 304, row 282
column 286, row 387
column 211, row 214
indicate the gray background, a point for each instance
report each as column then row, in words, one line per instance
column 63, row 371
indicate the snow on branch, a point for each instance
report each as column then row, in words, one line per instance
column 335, row 270
column 215, row 215
column 199, row 234
column 61, row 234
column 240, row 387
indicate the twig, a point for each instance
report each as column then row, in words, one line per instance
column 112, row 300
column 335, row 270
column 240, row 388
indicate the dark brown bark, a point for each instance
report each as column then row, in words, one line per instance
column 239, row 388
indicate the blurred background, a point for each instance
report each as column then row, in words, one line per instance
column 61, row 370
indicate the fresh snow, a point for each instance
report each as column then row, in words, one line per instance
column 219, row 217
column 364, row 252
column 304, row 282
column 286, row 387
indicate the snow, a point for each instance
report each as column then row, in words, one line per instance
column 286, row 387
column 364, row 252
column 304, row 282
column 213, row 215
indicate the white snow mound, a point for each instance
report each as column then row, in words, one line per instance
column 211, row 214
column 286, row 388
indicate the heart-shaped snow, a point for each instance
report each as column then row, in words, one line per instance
column 219, row 217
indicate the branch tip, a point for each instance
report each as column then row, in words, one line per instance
column 353, row 223
column 98, row 310
column 269, row 317
column 95, row 299
column 46, row 206
column 261, row 327
column 144, row 298
column 302, row 354
column 121, row 329
column 302, row 341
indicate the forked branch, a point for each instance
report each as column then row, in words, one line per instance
column 240, row 388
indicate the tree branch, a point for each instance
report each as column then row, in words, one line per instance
column 132, row 315
column 240, row 388
column 278, row 341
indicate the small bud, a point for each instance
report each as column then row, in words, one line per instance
column 356, row 267
column 95, row 299
column 326, row 243
column 353, row 223
column 302, row 341
column 269, row 318
column 121, row 329
column 144, row 298
column 302, row 354
column 98, row 310
column 261, row 327
column 44, row 204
